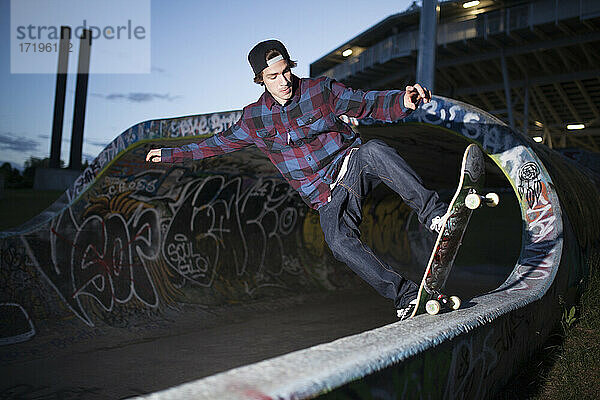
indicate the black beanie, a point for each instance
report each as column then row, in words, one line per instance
column 257, row 56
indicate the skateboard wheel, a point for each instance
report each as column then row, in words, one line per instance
column 492, row 199
column 472, row 201
column 433, row 307
column 455, row 302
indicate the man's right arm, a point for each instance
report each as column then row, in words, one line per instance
column 232, row 139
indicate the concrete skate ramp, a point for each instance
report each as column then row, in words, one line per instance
column 144, row 257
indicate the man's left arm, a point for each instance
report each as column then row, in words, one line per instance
column 383, row 105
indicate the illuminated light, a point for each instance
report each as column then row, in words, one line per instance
column 470, row 4
column 538, row 139
column 347, row 53
column 573, row 127
column 539, row 124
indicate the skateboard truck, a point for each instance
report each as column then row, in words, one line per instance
column 474, row 200
column 435, row 305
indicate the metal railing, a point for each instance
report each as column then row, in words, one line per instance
column 491, row 23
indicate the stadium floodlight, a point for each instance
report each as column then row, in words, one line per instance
column 470, row 4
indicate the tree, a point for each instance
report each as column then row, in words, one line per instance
column 12, row 176
column 31, row 164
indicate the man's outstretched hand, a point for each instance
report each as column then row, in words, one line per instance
column 414, row 94
column 153, row 156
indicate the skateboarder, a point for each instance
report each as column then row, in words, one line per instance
column 296, row 123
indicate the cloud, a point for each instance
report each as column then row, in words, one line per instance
column 137, row 97
column 97, row 143
column 12, row 142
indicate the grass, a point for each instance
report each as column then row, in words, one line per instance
column 18, row 206
column 568, row 367
column 575, row 373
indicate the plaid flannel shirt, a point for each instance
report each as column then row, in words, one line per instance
column 305, row 138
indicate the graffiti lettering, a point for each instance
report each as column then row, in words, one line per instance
column 182, row 256
column 490, row 133
column 541, row 218
column 536, row 262
column 215, row 214
column 201, row 125
column 107, row 258
column 118, row 185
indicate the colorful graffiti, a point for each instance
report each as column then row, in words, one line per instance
column 535, row 263
column 106, row 255
column 141, row 239
column 104, row 258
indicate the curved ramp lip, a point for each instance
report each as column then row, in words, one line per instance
column 322, row 368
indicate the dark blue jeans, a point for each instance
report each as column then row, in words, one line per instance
column 374, row 162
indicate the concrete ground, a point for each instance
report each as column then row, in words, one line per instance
column 118, row 368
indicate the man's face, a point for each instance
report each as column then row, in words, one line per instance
column 278, row 81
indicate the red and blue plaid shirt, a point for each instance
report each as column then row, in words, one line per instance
column 305, row 138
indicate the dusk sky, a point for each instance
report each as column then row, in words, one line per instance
column 198, row 65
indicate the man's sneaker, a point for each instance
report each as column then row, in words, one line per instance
column 437, row 223
column 406, row 312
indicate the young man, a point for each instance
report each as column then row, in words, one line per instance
column 296, row 124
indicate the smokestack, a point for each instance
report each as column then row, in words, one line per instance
column 83, row 69
column 59, row 96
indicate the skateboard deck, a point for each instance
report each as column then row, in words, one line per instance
column 467, row 197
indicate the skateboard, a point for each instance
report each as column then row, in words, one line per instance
column 467, row 198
